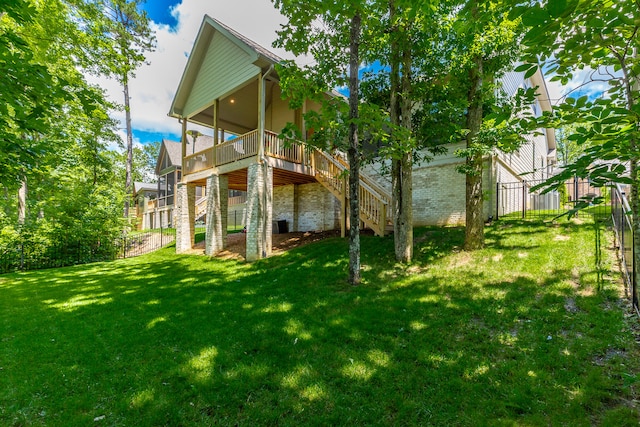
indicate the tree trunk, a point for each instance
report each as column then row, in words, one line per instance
column 129, row 164
column 22, row 202
column 474, row 230
column 404, row 242
column 402, row 163
column 354, row 153
column 634, row 199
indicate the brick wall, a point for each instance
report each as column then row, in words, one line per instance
column 438, row 195
column 318, row 209
column 306, row 207
column 283, row 204
column 439, row 190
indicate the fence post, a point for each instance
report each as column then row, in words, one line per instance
column 634, row 284
column 524, row 201
column 497, row 200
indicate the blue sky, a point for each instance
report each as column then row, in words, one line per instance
column 159, row 11
column 176, row 23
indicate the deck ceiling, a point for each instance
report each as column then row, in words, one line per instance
column 238, row 179
column 238, row 112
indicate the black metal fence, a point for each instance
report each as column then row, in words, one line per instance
column 621, row 215
column 35, row 253
column 517, row 200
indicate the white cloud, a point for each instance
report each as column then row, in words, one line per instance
column 581, row 84
column 154, row 85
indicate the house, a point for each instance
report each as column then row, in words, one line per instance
column 144, row 196
column 230, row 85
column 439, row 189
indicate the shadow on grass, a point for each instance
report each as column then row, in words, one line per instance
column 167, row 340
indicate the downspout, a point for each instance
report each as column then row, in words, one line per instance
column 183, row 122
column 261, row 157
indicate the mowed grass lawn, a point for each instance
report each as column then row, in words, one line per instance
column 515, row 334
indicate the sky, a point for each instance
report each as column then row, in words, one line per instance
column 176, row 24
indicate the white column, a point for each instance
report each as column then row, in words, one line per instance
column 185, row 218
column 259, row 211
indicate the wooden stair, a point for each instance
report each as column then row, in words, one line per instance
column 331, row 172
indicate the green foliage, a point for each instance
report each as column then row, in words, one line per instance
column 571, row 36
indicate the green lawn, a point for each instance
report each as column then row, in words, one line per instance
column 515, row 334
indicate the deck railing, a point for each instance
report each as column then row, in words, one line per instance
column 329, row 170
column 239, row 148
column 276, row 147
column 243, row 147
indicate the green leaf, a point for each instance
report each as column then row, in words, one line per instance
column 535, row 16
column 530, row 72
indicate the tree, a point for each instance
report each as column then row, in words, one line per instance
column 30, row 93
column 331, row 33
column 127, row 37
column 601, row 38
column 43, row 42
column 487, row 43
column 401, row 111
column 54, row 127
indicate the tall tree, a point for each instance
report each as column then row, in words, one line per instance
column 54, row 126
column 129, row 37
column 332, row 34
column 412, row 48
column 43, row 42
column 487, row 43
column 400, row 112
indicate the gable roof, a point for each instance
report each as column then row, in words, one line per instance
column 144, row 186
column 545, row 103
column 268, row 55
column 213, row 31
column 173, row 150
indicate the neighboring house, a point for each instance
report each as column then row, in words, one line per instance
column 159, row 211
column 230, row 85
column 144, row 196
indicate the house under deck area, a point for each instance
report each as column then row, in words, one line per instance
column 230, row 85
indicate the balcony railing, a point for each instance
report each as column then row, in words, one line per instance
column 244, row 147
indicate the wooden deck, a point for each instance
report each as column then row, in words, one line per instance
column 292, row 163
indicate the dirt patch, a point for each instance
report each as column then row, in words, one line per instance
column 237, row 243
column 571, row 306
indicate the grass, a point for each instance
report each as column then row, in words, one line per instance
column 515, row 334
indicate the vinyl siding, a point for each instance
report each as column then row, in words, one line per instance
column 224, row 68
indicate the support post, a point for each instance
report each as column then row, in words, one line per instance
column 217, row 210
column 216, row 107
column 259, row 211
column 261, row 114
column 186, row 212
column 343, row 208
column 184, row 146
